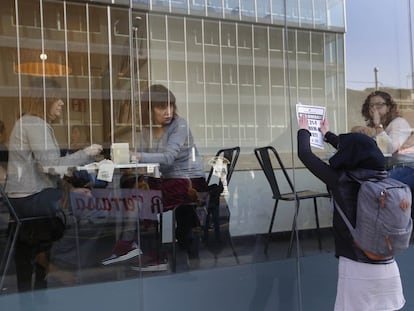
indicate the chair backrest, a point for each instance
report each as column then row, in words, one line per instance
column 264, row 155
column 231, row 154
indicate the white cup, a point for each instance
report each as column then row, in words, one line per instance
column 120, row 153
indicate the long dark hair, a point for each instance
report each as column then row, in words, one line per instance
column 156, row 95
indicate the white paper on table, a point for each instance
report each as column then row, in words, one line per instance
column 315, row 115
column 106, row 170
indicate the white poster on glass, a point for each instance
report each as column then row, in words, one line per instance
column 315, row 115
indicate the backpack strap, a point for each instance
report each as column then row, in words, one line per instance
column 344, row 217
column 341, row 212
column 362, row 175
column 361, row 180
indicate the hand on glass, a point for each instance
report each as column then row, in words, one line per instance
column 93, row 150
column 324, row 127
column 303, row 122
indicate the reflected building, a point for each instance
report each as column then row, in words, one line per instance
column 237, row 67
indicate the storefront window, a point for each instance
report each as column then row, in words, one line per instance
column 237, row 69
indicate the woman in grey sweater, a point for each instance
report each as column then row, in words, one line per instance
column 31, row 190
column 166, row 139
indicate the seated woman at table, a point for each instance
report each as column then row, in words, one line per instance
column 384, row 122
column 167, row 139
column 33, row 192
column 392, row 133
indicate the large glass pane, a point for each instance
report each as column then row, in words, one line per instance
column 161, row 5
column 262, row 84
column 247, row 86
column 196, row 77
column 336, row 16
column 179, row 6
column 318, row 69
column 278, row 112
column 215, row 8
column 320, row 13
column 304, row 60
column 278, row 11
column 232, row 9
column 263, row 11
column 248, row 10
column 230, row 84
column 292, row 12
column 213, row 77
column 236, row 83
column 307, row 13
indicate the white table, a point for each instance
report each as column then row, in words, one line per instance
column 151, row 168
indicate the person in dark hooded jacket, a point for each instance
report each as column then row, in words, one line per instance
column 363, row 283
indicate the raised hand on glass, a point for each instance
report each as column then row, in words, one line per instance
column 324, row 127
column 303, row 122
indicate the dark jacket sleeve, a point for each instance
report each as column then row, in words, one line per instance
column 313, row 163
column 332, row 139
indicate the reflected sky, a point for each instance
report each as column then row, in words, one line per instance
column 378, row 36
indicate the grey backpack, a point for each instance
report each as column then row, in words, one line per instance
column 383, row 218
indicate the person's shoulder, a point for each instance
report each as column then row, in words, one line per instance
column 31, row 119
column 400, row 120
column 178, row 121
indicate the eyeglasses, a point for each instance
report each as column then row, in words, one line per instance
column 377, row 105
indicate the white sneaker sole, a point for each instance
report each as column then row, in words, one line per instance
column 114, row 258
column 159, row 267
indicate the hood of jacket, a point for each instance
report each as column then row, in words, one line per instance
column 356, row 151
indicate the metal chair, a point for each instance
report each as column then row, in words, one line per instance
column 15, row 225
column 264, row 156
column 213, row 204
column 232, row 155
column 212, row 210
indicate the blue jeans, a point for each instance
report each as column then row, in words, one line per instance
column 403, row 174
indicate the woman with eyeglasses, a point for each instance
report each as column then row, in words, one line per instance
column 384, row 122
column 392, row 133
